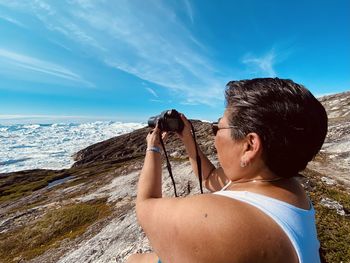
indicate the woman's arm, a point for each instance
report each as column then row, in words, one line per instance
column 150, row 181
column 201, row 228
column 213, row 178
column 180, row 228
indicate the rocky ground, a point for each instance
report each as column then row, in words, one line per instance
column 334, row 160
column 86, row 213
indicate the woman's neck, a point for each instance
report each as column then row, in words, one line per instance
column 263, row 178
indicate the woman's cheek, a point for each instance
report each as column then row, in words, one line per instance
column 218, row 150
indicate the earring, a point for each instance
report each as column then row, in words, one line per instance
column 243, row 163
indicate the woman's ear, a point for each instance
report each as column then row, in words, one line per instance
column 252, row 147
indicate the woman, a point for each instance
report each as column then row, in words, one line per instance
column 258, row 212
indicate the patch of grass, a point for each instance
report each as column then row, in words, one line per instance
column 333, row 229
column 178, row 158
column 20, row 190
column 19, row 184
column 23, row 183
column 334, row 235
column 58, row 224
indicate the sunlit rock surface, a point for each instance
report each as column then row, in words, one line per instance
column 108, row 171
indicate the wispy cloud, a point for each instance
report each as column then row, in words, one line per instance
column 189, row 10
column 263, row 65
column 145, row 40
column 71, row 30
column 12, row 20
column 33, row 64
column 152, row 92
column 190, row 103
column 60, row 45
column 17, row 116
column 153, row 100
column 320, row 95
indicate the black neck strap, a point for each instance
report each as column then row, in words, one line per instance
column 198, row 159
column 168, row 165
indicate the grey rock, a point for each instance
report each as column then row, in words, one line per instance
column 328, row 181
column 332, row 204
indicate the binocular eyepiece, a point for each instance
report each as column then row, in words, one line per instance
column 168, row 120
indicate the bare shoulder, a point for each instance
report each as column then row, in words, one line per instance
column 208, row 228
column 289, row 191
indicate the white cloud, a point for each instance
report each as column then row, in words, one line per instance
column 145, row 39
column 261, row 65
column 152, row 92
column 153, row 100
column 320, row 95
column 17, row 116
column 60, row 45
column 75, row 32
column 189, row 10
column 189, row 103
column 17, row 60
column 12, row 20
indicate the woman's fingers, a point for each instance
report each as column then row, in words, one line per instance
column 153, row 137
column 186, row 132
column 185, row 120
column 165, row 136
column 156, row 134
column 157, row 127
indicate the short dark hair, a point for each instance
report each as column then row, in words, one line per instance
column 290, row 121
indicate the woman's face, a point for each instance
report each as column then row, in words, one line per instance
column 229, row 150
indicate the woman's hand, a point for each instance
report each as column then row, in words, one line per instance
column 153, row 137
column 186, row 134
column 187, row 137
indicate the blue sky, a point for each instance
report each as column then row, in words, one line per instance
column 130, row 59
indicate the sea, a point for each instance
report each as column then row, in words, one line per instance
column 51, row 146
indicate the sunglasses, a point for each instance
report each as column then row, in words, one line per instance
column 215, row 127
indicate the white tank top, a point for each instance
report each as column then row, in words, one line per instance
column 298, row 224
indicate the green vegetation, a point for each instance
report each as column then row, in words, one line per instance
column 333, row 229
column 21, row 190
column 334, row 235
column 58, row 224
column 20, row 184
